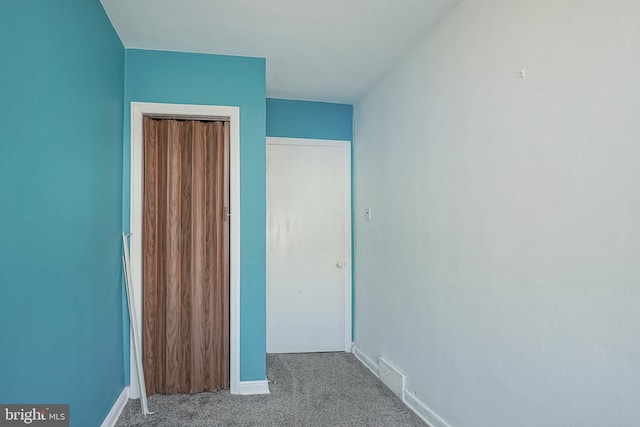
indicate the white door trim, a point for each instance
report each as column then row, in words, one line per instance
column 138, row 111
column 347, row 237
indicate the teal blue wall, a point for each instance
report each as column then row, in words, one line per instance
column 184, row 78
column 305, row 119
column 61, row 92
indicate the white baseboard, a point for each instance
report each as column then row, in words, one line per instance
column 409, row 399
column 365, row 360
column 423, row 411
column 113, row 415
column 254, row 387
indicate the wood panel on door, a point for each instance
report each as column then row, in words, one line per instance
column 185, row 256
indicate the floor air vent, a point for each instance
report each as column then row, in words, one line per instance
column 391, row 377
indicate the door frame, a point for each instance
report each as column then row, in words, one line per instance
column 348, row 314
column 198, row 112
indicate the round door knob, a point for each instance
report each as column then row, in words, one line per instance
column 340, row 264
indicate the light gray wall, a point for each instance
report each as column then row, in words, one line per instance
column 501, row 270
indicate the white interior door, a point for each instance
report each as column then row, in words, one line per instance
column 308, row 245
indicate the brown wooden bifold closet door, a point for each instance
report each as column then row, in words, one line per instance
column 186, row 256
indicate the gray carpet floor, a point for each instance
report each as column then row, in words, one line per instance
column 314, row 389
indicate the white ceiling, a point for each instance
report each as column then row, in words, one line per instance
column 319, row 50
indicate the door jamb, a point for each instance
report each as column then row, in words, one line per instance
column 138, row 111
